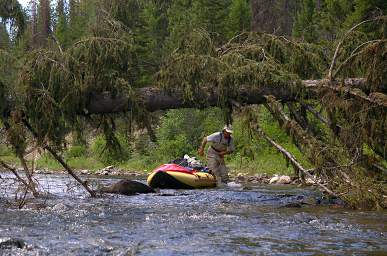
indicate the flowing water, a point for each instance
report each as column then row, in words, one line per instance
column 227, row 221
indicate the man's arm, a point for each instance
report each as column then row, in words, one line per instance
column 223, row 153
column 202, row 146
column 230, row 149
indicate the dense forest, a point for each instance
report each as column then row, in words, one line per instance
column 80, row 79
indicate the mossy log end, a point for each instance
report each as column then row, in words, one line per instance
column 155, row 98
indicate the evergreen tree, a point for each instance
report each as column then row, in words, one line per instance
column 367, row 9
column 305, row 23
column 273, row 16
column 34, row 23
column 156, row 16
column 73, row 11
column 12, row 14
column 333, row 16
column 81, row 14
column 211, row 15
column 4, row 37
column 61, row 23
column 180, row 22
column 239, row 17
column 44, row 21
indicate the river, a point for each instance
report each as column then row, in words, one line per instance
column 229, row 221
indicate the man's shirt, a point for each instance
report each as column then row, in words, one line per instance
column 220, row 143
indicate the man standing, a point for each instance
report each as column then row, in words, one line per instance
column 221, row 144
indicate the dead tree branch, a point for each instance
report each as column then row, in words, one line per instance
column 61, row 161
column 296, row 165
column 29, row 186
column 315, row 150
column 335, row 55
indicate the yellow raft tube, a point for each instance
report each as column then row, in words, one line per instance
column 174, row 176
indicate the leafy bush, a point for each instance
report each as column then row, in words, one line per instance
column 76, row 151
column 181, row 131
column 109, row 155
column 174, row 148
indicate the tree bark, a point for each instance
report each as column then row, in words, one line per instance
column 44, row 21
column 157, row 99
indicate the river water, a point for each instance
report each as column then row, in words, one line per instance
column 228, row 221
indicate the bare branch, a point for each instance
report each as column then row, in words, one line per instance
column 330, row 77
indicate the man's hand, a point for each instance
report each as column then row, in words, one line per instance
column 201, row 151
column 202, row 146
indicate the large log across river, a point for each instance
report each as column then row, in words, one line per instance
column 157, row 99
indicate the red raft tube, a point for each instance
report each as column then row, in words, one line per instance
column 174, row 176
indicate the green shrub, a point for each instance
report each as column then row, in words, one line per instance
column 107, row 155
column 173, row 148
column 5, row 151
column 76, row 151
column 181, row 131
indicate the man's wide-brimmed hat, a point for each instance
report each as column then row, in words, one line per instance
column 228, row 128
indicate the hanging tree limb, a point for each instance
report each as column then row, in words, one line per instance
column 355, row 53
column 362, row 191
column 301, row 119
column 18, row 150
column 317, row 114
column 61, row 161
column 29, row 186
column 336, row 130
column 300, row 170
column 318, row 153
column 31, row 183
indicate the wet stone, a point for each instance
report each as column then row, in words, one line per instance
column 9, row 243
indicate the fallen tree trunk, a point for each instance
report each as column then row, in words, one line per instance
column 154, row 98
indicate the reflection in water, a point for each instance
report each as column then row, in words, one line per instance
column 197, row 222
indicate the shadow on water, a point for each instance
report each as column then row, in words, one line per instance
column 196, row 222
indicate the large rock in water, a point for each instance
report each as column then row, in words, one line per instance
column 9, row 243
column 128, row 188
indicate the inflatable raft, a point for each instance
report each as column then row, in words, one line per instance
column 174, row 176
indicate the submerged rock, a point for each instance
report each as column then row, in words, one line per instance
column 128, row 188
column 9, row 243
